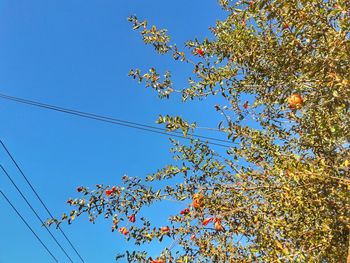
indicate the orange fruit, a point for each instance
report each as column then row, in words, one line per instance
column 295, row 101
column 218, row 226
column 197, row 201
column 165, row 229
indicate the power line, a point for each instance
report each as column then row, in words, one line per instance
column 25, row 222
column 34, row 211
column 39, row 198
column 103, row 117
column 115, row 121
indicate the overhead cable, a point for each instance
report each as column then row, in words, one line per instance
column 115, row 121
column 35, row 212
column 39, row 198
column 28, row 226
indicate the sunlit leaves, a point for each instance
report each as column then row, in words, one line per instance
column 280, row 71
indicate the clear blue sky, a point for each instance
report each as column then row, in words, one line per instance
column 77, row 54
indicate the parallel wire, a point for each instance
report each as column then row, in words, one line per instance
column 34, row 211
column 25, row 222
column 39, row 198
column 115, row 121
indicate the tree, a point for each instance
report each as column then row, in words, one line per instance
column 281, row 192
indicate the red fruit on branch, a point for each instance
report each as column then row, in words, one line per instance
column 207, row 221
column 69, row 201
column 79, row 189
column 109, row 192
column 200, row 52
column 217, row 220
column 246, row 105
column 132, row 218
column 184, row 211
column 285, row 26
column 165, row 229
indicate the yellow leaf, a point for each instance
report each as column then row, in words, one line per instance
column 278, row 244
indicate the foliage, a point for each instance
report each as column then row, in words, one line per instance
column 281, row 192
